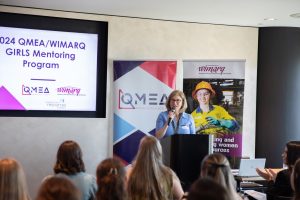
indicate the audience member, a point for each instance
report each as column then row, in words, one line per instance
column 295, row 180
column 217, row 167
column 58, row 187
column 12, row 180
column 69, row 162
column 149, row 179
column 111, row 180
column 207, row 189
column 279, row 183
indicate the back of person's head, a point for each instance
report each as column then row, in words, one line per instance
column 149, row 178
column 58, row 188
column 149, row 151
column 69, row 158
column 12, row 180
column 207, row 189
column 295, row 179
column 218, row 168
column 293, row 152
column 111, row 180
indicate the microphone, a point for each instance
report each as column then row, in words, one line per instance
column 170, row 119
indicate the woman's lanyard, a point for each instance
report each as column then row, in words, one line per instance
column 175, row 128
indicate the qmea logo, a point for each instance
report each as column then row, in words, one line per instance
column 140, row 100
column 34, row 90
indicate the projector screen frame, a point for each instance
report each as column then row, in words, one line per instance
column 65, row 25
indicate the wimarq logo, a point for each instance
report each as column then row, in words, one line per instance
column 34, row 90
column 68, row 90
column 213, row 69
column 140, row 100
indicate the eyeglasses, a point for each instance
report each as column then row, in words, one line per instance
column 176, row 100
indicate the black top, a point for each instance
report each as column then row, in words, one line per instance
column 281, row 187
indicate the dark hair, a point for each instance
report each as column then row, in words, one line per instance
column 207, row 189
column 111, row 180
column 69, row 159
column 293, row 152
column 58, row 188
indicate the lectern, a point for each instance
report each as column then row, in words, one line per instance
column 184, row 152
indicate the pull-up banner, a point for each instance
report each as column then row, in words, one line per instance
column 140, row 92
column 224, row 80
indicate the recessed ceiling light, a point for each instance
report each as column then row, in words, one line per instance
column 295, row 15
column 270, row 19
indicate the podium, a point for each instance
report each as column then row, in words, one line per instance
column 183, row 153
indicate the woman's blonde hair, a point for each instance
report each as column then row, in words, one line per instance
column 150, row 179
column 12, row 180
column 218, row 168
column 183, row 98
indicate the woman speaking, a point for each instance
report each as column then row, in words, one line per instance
column 175, row 120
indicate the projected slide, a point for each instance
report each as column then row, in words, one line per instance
column 47, row 70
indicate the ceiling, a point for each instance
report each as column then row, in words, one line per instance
column 229, row 12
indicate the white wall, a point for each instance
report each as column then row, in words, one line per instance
column 34, row 141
